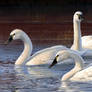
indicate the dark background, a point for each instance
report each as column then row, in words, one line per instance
column 43, row 10
column 44, row 20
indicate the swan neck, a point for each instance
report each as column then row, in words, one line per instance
column 26, row 52
column 77, row 35
column 78, row 66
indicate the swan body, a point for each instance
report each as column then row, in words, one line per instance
column 40, row 57
column 83, row 75
column 78, row 73
column 45, row 56
column 79, row 42
column 87, row 42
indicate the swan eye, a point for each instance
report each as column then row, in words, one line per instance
column 79, row 16
column 13, row 34
column 57, row 56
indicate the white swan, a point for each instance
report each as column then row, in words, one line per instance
column 41, row 57
column 77, row 18
column 78, row 73
column 79, row 42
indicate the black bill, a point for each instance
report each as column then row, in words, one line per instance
column 9, row 40
column 54, row 62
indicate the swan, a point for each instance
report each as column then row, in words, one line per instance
column 79, row 42
column 78, row 73
column 41, row 57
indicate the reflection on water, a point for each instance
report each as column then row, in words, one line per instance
column 37, row 79
column 26, row 79
column 75, row 87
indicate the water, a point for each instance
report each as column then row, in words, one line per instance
column 35, row 78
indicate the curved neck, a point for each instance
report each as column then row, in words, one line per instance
column 78, row 66
column 77, row 35
column 26, row 52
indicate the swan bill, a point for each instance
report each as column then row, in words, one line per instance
column 54, row 62
column 81, row 17
column 9, row 40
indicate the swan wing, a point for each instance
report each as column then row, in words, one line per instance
column 45, row 56
column 84, row 75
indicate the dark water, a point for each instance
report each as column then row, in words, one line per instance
column 37, row 78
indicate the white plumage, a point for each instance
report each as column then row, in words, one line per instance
column 45, row 56
column 77, row 18
column 87, row 42
column 81, row 44
column 41, row 57
column 83, row 75
column 79, row 72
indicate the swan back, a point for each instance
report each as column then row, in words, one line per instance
column 88, row 40
column 45, row 56
column 84, row 75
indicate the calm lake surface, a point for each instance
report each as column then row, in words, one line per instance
column 36, row 78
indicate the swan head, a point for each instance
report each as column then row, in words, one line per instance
column 61, row 56
column 16, row 34
column 78, row 16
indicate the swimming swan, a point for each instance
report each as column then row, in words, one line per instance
column 78, row 73
column 79, row 42
column 40, row 57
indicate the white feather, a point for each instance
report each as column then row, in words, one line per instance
column 79, row 72
column 41, row 57
column 81, row 44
